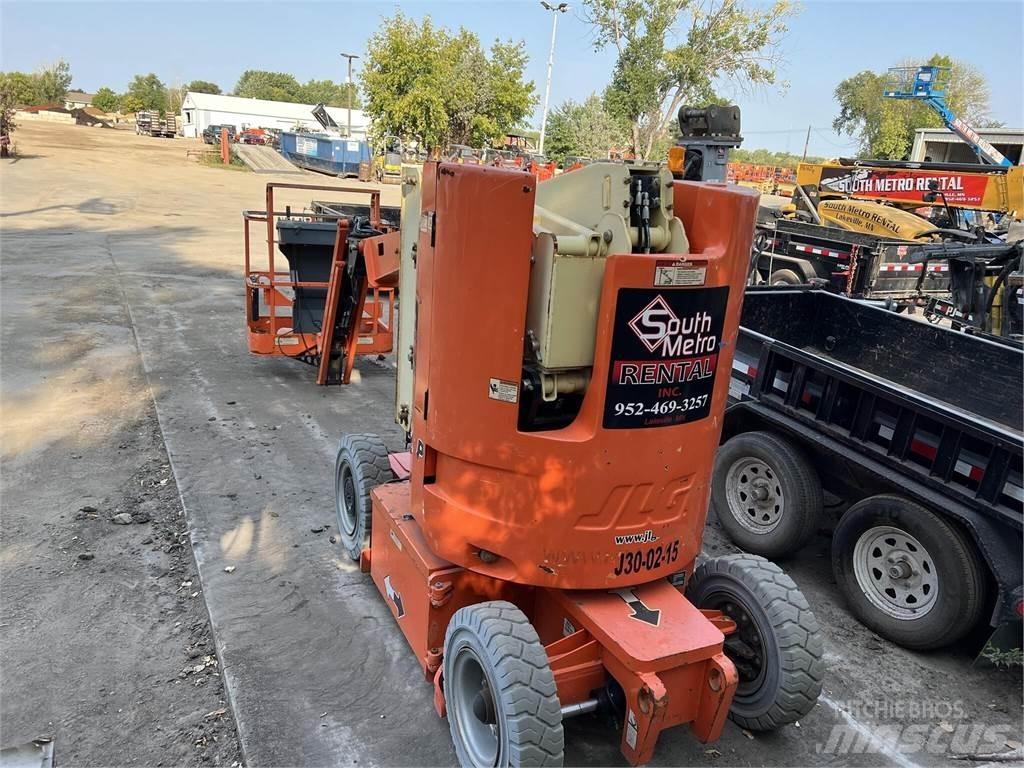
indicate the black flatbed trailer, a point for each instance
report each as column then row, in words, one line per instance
column 917, row 426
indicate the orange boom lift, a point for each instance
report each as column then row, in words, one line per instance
column 336, row 299
column 563, row 377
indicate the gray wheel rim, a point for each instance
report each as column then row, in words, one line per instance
column 471, row 700
column 346, row 500
column 895, row 572
column 754, row 493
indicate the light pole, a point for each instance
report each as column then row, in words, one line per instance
column 555, row 10
column 349, row 56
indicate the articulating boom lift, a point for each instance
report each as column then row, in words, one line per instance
column 925, row 84
column 563, row 376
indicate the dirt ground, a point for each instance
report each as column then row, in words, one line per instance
column 219, row 624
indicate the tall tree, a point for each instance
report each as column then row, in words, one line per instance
column 145, row 92
column 582, row 128
column 203, row 86
column 52, row 82
column 21, row 88
column 105, row 99
column 724, row 41
column 427, row 83
column 7, row 104
column 884, row 127
column 330, row 93
column 273, row 86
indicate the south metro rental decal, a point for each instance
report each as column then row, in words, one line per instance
column 665, row 345
column 905, row 185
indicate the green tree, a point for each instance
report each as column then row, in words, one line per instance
column 7, row 104
column 145, row 92
column 330, row 93
column 273, row 86
column 725, row 41
column 105, row 99
column 884, row 127
column 582, row 128
column 427, row 83
column 52, row 82
column 203, row 86
column 768, row 157
column 132, row 103
column 21, row 88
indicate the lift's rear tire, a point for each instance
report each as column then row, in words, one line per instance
column 777, row 646
column 360, row 466
column 906, row 573
column 785, row 277
column 765, row 493
column 503, row 707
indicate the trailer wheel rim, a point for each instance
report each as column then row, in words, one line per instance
column 754, row 493
column 895, row 572
column 347, row 500
column 472, row 703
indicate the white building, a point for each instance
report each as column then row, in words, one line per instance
column 199, row 110
column 78, row 99
column 944, row 146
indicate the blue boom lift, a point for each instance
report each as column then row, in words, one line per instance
column 927, row 84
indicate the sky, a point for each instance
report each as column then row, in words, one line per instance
column 107, row 43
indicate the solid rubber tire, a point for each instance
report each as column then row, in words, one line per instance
column 507, row 647
column 793, row 645
column 366, row 457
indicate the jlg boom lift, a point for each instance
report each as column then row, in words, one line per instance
column 336, row 300
column 563, row 373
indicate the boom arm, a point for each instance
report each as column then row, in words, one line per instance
column 923, row 88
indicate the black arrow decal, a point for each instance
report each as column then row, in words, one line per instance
column 641, row 612
column 394, row 596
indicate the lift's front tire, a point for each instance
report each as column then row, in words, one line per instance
column 502, row 703
column 906, row 573
column 765, row 493
column 360, row 466
column 777, row 646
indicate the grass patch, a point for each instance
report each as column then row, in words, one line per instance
column 213, row 160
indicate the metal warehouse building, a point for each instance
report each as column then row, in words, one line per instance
column 199, row 110
column 943, row 146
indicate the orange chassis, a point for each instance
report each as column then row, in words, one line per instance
column 268, row 307
column 672, row 668
column 482, row 502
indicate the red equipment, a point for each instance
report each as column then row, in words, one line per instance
column 355, row 273
column 534, row 558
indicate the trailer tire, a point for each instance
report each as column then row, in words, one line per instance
column 765, row 493
column 495, row 668
column 906, row 573
column 777, row 646
column 785, row 277
column 360, row 466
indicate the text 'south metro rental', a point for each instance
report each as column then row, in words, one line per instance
column 665, row 348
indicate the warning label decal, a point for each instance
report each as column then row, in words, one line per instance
column 506, row 391
column 665, row 348
column 679, row 274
